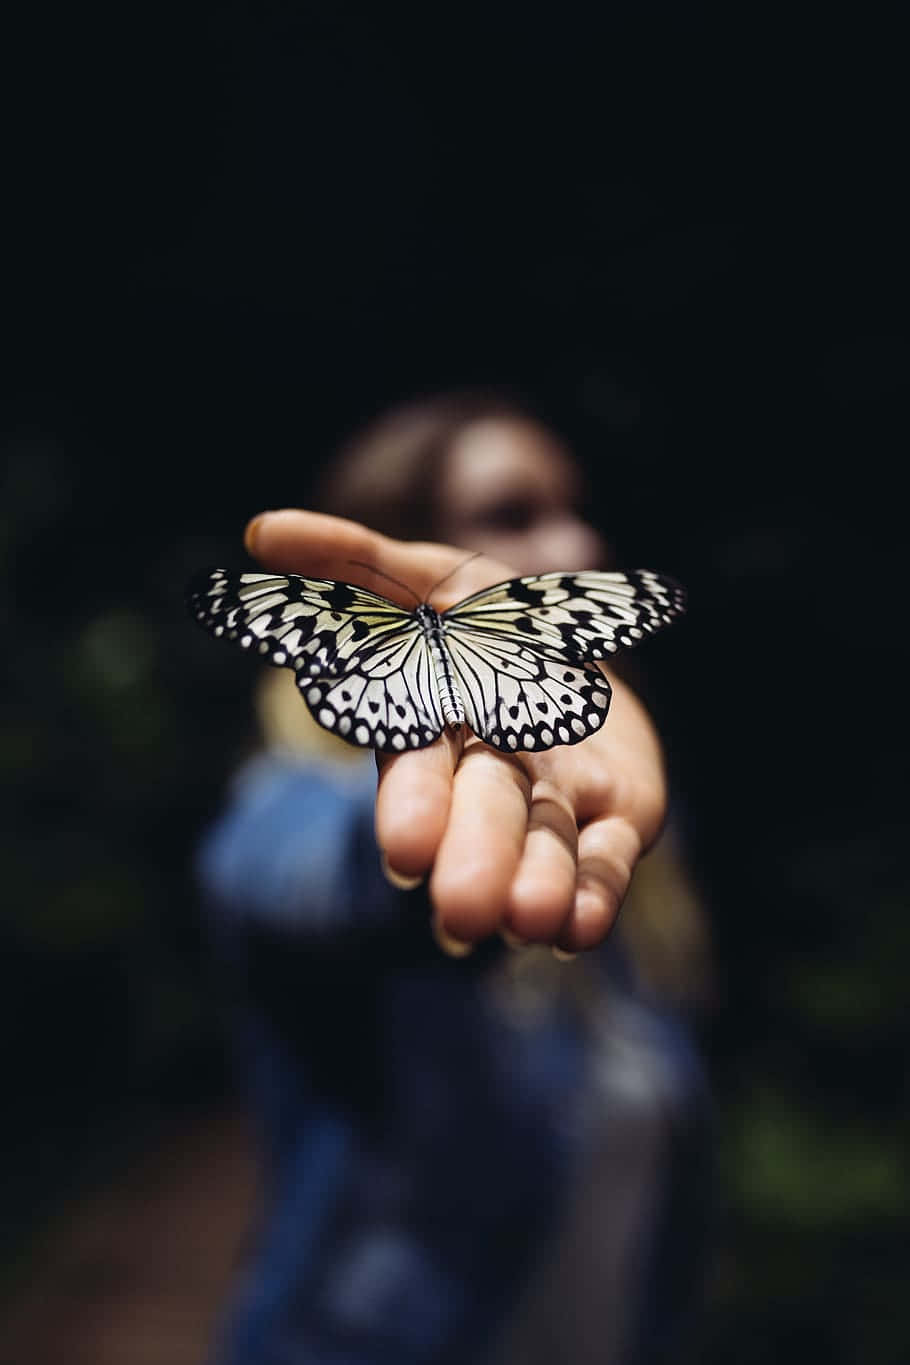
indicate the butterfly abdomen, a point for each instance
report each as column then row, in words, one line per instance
column 449, row 695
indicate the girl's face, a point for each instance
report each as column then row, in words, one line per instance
column 510, row 490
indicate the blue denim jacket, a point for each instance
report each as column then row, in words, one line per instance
column 422, row 1118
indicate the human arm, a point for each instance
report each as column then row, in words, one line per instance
column 543, row 845
column 293, row 852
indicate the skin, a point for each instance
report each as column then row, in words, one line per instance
column 510, row 490
column 539, row 846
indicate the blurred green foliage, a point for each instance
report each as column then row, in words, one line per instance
column 113, row 753
column 813, row 1108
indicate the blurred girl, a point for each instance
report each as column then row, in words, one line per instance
column 495, row 1156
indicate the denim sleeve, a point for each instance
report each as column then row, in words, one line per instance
column 294, row 850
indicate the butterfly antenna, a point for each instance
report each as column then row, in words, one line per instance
column 478, row 554
column 379, row 574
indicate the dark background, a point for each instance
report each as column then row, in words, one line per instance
column 238, row 231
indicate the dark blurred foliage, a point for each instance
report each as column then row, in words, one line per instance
column 237, row 231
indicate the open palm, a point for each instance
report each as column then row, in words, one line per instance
column 541, row 844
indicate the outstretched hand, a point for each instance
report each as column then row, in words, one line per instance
column 539, row 844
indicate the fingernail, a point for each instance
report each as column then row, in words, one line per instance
column 251, row 534
column 398, row 879
column 561, row 955
column 454, row 947
column 588, row 905
column 510, row 938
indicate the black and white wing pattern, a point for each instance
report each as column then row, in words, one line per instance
column 518, row 659
column 524, row 651
column 580, row 616
column 361, row 661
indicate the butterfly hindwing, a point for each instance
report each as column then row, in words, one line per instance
column 387, row 702
column 518, row 700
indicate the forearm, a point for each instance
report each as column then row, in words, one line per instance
column 295, row 852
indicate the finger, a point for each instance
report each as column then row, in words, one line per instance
column 608, row 850
column 412, row 804
column 482, row 845
column 298, row 541
column 543, row 889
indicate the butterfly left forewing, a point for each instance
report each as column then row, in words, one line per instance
column 308, row 624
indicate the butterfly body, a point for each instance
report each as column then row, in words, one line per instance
column 433, row 626
column 516, row 662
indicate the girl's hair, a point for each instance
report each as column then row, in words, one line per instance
column 387, row 474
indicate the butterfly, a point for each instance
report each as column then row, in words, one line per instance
column 516, row 662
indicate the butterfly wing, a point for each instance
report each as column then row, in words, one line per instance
column 579, row 616
column 361, row 661
column 517, row 699
column 523, row 651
